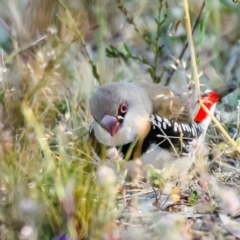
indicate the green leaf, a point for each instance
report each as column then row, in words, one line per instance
column 193, row 198
column 127, row 49
column 2, row 96
column 155, row 177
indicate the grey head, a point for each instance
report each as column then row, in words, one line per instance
column 115, row 103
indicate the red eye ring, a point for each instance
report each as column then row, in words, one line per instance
column 123, row 108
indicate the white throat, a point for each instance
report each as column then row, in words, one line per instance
column 123, row 136
column 129, row 131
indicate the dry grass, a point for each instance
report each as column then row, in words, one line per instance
column 53, row 56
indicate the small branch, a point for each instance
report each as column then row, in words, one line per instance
column 226, row 135
column 24, row 48
column 130, row 20
column 152, row 43
column 156, row 48
column 92, row 64
column 186, row 45
column 191, row 46
column 7, row 29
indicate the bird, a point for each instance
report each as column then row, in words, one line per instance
column 135, row 116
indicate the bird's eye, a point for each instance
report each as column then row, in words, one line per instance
column 123, row 108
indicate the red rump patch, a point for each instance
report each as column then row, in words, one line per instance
column 208, row 99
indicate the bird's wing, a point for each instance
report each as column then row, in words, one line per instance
column 170, row 134
column 170, row 104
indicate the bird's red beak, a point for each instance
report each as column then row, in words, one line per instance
column 111, row 124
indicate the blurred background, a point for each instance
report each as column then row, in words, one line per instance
column 53, row 55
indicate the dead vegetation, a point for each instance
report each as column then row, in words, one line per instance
column 53, row 55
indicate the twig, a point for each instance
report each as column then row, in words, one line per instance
column 32, row 121
column 226, row 135
column 186, row 45
column 24, row 48
column 192, row 51
column 7, row 29
column 79, row 36
column 194, row 65
column 238, row 120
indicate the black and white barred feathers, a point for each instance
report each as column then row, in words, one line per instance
column 168, row 134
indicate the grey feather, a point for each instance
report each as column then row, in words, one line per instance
column 107, row 99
